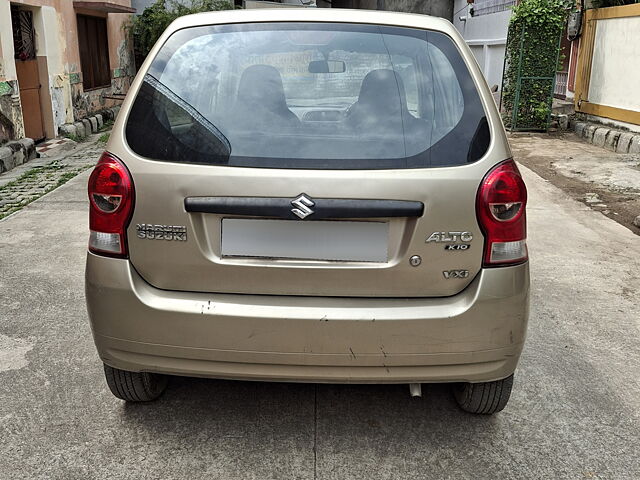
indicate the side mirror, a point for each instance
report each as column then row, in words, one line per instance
column 327, row 66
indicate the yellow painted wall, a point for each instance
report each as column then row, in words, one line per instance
column 608, row 72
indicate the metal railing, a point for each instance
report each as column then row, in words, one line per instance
column 560, row 88
column 485, row 7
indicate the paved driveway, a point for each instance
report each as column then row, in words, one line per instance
column 575, row 411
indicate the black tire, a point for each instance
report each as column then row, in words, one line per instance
column 134, row 386
column 484, row 398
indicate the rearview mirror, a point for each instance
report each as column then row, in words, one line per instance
column 326, row 66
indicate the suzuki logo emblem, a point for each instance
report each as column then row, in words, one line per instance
column 302, row 204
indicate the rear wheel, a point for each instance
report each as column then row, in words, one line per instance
column 135, row 386
column 485, row 398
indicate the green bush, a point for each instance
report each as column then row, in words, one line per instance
column 532, row 49
column 148, row 26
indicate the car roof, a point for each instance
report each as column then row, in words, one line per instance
column 310, row 14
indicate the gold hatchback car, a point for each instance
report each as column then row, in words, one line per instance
column 309, row 195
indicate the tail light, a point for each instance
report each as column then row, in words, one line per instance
column 111, row 197
column 500, row 206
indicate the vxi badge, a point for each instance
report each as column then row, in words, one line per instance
column 455, row 274
column 452, row 239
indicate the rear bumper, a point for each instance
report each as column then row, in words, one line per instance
column 474, row 336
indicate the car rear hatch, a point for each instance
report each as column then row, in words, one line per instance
column 272, row 170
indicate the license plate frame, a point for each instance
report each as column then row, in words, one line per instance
column 336, row 241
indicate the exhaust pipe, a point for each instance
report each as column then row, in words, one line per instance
column 415, row 389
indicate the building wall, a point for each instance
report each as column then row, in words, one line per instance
column 437, row 8
column 615, row 70
column 609, row 64
column 120, row 61
column 140, row 5
column 486, row 35
column 11, row 125
column 62, row 96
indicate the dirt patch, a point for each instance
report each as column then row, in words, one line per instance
column 605, row 181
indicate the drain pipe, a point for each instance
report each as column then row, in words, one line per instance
column 415, row 389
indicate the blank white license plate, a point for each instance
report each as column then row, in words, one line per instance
column 341, row 241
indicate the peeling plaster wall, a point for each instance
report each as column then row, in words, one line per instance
column 7, row 64
column 61, row 110
column 121, row 64
column 11, row 125
column 56, row 105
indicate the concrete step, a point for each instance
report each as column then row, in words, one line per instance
column 607, row 137
column 562, row 107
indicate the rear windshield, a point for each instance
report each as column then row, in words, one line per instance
column 308, row 95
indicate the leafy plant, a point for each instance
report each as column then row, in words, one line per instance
column 148, row 26
column 532, row 54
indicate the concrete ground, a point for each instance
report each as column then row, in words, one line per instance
column 607, row 181
column 29, row 181
column 574, row 412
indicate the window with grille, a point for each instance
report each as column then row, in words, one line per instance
column 24, row 37
column 94, row 52
column 485, row 7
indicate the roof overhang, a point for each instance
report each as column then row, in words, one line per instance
column 107, row 7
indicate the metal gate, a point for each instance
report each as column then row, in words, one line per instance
column 523, row 111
